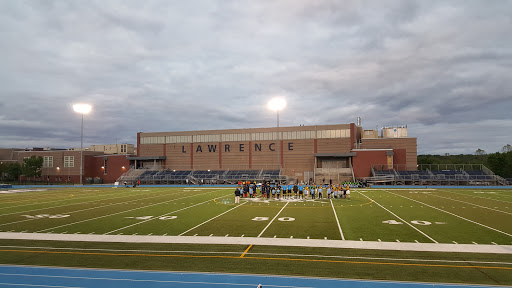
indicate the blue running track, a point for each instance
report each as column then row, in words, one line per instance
column 31, row 276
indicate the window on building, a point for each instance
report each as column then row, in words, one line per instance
column 69, row 161
column 105, row 166
column 47, row 161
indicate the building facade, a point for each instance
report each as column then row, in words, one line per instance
column 337, row 153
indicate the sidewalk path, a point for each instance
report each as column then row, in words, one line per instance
column 403, row 246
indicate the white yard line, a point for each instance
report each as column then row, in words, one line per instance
column 212, row 219
column 254, row 253
column 124, row 211
column 337, row 221
column 263, row 241
column 406, row 222
column 81, row 210
column 273, row 219
column 474, row 196
column 66, row 199
column 79, row 203
column 474, row 204
column 166, row 214
column 494, row 229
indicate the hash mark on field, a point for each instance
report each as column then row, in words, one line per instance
column 150, row 234
column 455, row 242
column 308, row 237
column 211, row 235
column 360, row 239
column 379, row 240
column 77, row 233
column 397, row 240
column 494, row 243
column 291, row 237
column 242, row 235
column 195, row 234
column 117, row 234
column 165, row 234
column 325, row 238
column 416, row 241
column 226, row 235
column 474, row 243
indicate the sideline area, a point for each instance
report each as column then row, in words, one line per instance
column 35, row 276
column 401, row 246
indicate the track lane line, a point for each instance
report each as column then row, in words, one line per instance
column 474, row 222
column 259, row 253
column 406, row 222
column 261, row 258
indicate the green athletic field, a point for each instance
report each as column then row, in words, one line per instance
column 455, row 216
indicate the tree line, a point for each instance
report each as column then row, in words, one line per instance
column 31, row 167
column 499, row 162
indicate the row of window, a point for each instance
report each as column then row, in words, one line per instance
column 69, row 161
column 262, row 136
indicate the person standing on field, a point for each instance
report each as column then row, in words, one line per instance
column 237, row 195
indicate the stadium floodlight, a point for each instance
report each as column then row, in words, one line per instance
column 82, row 109
column 277, row 104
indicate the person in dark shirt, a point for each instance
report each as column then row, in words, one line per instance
column 237, row 195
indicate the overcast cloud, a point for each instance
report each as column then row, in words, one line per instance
column 444, row 68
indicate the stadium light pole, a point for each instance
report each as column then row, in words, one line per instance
column 277, row 104
column 82, row 109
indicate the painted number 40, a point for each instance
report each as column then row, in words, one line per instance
column 417, row 222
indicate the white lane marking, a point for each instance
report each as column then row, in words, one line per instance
column 108, row 215
column 254, row 253
column 77, row 198
column 273, row 219
column 37, row 285
column 166, row 214
column 211, row 219
column 480, row 197
column 457, row 216
column 474, row 205
column 406, row 222
column 455, row 242
column 138, row 280
column 337, row 221
column 81, row 210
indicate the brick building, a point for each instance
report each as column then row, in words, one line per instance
column 338, row 152
column 63, row 166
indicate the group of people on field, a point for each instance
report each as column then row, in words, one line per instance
column 292, row 191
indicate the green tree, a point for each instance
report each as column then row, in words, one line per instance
column 506, row 148
column 480, row 152
column 32, row 166
column 14, row 171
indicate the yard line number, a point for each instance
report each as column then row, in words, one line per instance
column 41, row 216
column 153, row 217
column 283, row 219
column 417, row 222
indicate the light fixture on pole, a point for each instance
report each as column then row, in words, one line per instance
column 82, row 109
column 277, row 104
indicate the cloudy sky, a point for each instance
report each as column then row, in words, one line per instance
column 444, row 68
